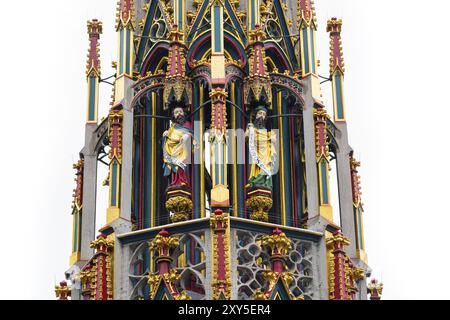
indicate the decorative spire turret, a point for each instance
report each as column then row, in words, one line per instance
column 115, row 131
column 77, row 205
column 95, row 29
column 278, row 278
column 257, row 86
column 323, row 167
column 375, row 289
column 102, row 265
column 125, row 28
column 306, row 14
column 337, row 69
column 221, row 271
column 357, row 209
column 93, row 70
column 177, row 88
column 62, row 291
column 307, row 26
column 125, row 15
column 163, row 282
column 163, row 245
column 337, row 279
column 279, row 246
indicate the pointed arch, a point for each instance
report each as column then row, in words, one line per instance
column 202, row 44
column 161, row 49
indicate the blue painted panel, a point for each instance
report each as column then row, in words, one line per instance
column 128, row 53
column 323, row 169
column 145, row 31
column 75, row 235
column 217, row 29
column 313, row 53
column 198, row 20
column 114, row 185
column 306, row 68
column 121, row 52
column 360, row 233
column 253, row 17
column 92, row 93
column 286, row 31
column 355, row 220
column 162, row 291
column 233, row 18
column 180, row 14
column 280, row 290
column 339, row 101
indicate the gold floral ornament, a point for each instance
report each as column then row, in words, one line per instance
column 278, row 243
column 260, row 295
column 62, row 291
column 375, row 289
column 259, row 206
column 181, row 208
column 163, row 243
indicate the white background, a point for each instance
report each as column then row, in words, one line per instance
column 397, row 62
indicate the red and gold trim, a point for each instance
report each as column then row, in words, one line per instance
column 257, row 84
column 93, row 70
column 220, row 195
column 62, row 291
column 337, row 68
column 100, row 269
column 115, row 156
column 221, row 263
column 337, row 275
column 322, row 156
column 279, row 246
column 125, row 14
column 358, row 209
column 77, row 207
column 375, row 289
column 176, row 84
column 162, row 247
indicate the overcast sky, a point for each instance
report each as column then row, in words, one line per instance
column 396, row 55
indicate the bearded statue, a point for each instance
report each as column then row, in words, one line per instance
column 177, row 149
column 262, row 150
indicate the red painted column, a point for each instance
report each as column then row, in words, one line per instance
column 102, row 267
column 221, row 281
column 338, row 285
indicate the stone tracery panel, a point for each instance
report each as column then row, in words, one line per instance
column 252, row 260
column 192, row 270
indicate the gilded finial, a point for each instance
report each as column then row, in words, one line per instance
column 95, row 29
column 306, row 14
column 375, row 289
column 125, row 14
column 334, row 27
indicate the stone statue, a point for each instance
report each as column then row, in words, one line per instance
column 177, row 149
column 261, row 144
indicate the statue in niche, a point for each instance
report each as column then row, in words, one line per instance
column 261, row 144
column 177, row 150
